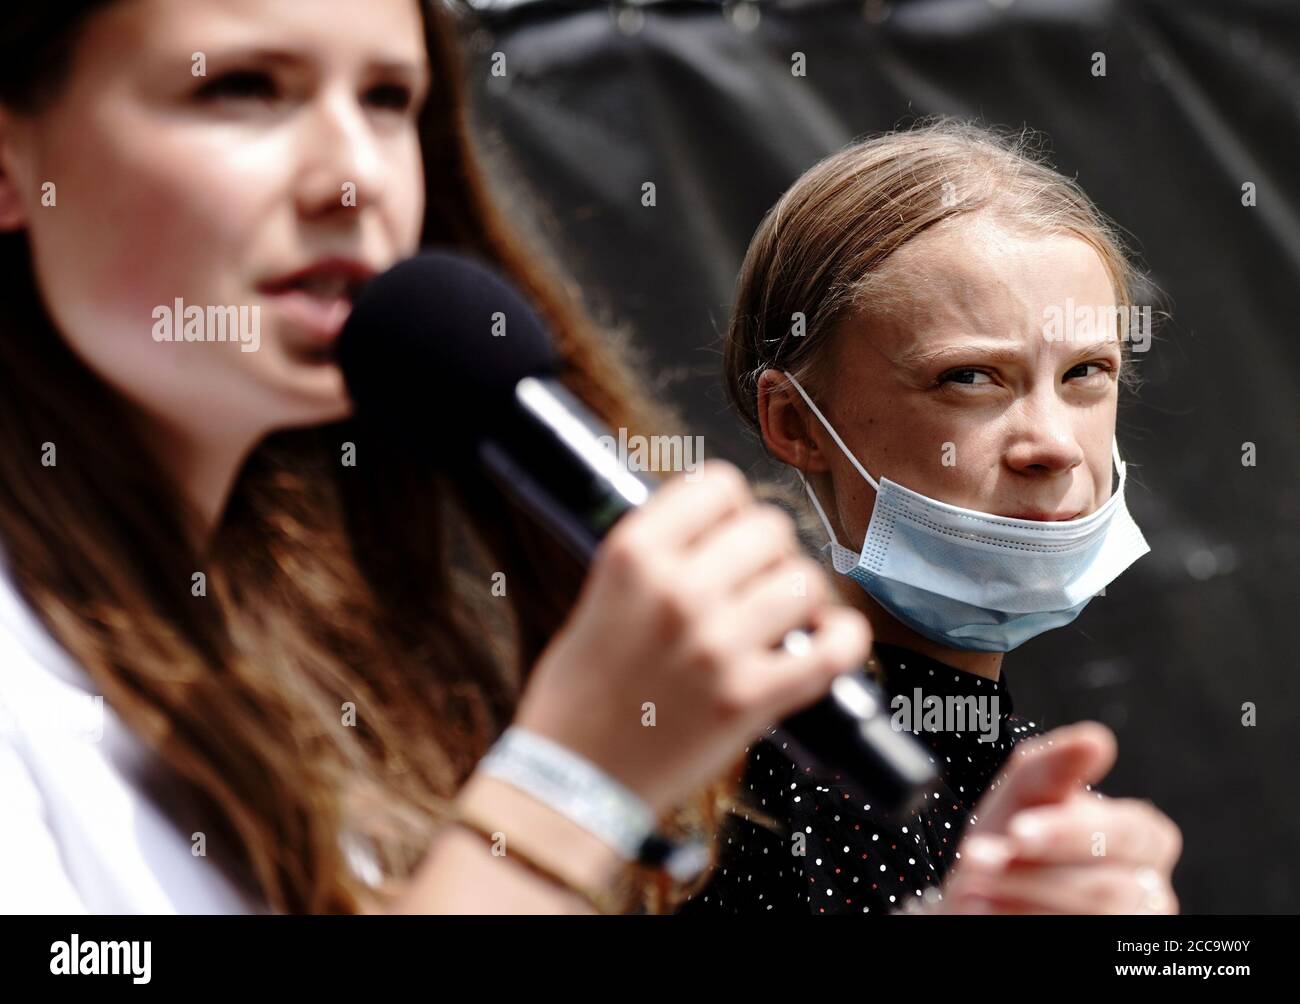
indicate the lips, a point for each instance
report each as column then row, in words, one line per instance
column 314, row 302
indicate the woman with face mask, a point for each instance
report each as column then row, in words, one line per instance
column 909, row 336
column 244, row 663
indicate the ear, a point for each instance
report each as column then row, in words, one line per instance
column 12, row 214
column 790, row 431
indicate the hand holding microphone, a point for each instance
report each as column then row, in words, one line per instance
column 682, row 616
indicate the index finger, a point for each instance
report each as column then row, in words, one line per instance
column 1047, row 769
column 682, row 511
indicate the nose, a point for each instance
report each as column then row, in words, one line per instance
column 1044, row 442
column 341, row 159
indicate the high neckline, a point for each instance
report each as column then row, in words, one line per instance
column 900, row 670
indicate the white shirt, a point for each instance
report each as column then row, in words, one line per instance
column 78, row 831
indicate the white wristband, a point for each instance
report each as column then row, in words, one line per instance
column 573, row 786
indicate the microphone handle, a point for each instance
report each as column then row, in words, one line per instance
column 847, row 738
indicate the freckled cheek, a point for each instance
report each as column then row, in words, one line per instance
column 937, row 460
column 962, row 465
column 1100, row 455
column 1105, row 479
column 915, row 450
column 853, row 504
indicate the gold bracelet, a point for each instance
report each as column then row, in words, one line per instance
column 599, row 900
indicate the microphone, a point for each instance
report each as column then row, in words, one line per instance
column 442, row 342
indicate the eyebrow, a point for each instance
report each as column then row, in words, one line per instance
column 923, row 356
column 995, row 353
column 289, row 57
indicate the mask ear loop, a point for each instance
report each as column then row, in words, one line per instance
column 834, row 435
column 812, row 496
column 821, row 513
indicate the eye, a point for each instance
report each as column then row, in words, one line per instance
column 239, row 85
column 966, row 376
column 1100, row 367
column 391, row 97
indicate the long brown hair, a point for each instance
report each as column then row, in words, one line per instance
column 329, row 587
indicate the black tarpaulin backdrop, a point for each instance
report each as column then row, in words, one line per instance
column 1198, row 99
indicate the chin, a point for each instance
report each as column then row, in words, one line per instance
column 316, row 399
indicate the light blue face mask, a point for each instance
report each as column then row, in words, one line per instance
column 972, row 580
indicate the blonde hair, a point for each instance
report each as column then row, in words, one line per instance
column 821, row 250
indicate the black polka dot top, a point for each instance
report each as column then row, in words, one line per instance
column 835, row 854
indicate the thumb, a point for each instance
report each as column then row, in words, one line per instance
column 1047, row 769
